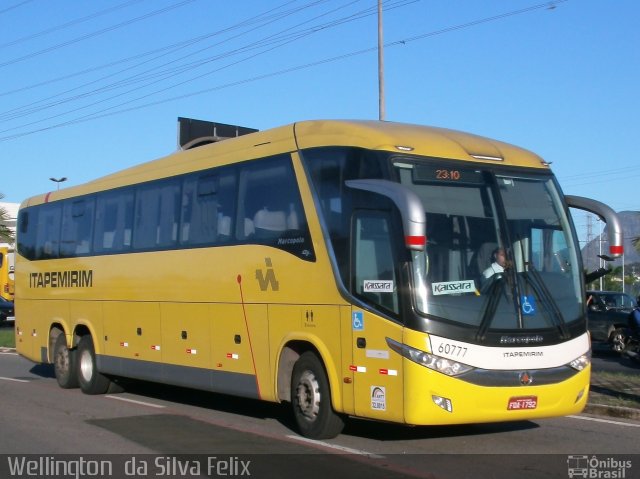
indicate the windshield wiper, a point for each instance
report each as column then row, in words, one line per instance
column 540, row 288
column 532, row 276
column 494, row 292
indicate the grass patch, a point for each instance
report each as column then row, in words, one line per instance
column 615, row 389
column 7, row 338
column 616, row 376
column 605, row 400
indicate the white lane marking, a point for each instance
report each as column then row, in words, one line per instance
column 606, row 421
column 336, row 447
column 142, row 403
column 12, row 353
column 16, row 380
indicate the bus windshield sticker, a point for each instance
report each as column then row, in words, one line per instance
column 378, row 286
column 454, row 287
column 528, row 305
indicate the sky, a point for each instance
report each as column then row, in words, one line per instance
column 91, row 87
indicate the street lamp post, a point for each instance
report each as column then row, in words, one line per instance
column 57, row 181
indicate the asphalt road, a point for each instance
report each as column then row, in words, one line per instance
column 605, row 360
column 37, row 417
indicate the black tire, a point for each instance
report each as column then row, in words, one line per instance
column 618, row 340
column 64, row 363
column 90, row 380
column 311, row 399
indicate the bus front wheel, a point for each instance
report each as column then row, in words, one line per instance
column 64, row 363
column 311, row 399
column 91, row 381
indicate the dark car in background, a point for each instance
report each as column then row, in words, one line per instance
column 608, row 316
column 6, row 309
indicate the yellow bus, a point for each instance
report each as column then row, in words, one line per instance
column 6, row 273
column 340, row 266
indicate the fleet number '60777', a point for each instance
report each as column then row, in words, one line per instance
column 452, row 350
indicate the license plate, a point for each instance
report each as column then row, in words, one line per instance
column 522, row 402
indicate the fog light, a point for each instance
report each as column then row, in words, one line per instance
column 444, row 403
column 580, row 394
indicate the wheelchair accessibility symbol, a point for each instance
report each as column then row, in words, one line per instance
column 357, row 320
column 528, row 305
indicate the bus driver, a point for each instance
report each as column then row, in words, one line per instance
column 499, row 262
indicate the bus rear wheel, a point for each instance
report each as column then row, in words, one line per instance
column 64, row 363
column 91, row 381
column 311, row 399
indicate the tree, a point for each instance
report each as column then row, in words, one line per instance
column 6, row 235
column 636, row 243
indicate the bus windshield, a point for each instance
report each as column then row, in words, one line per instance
column 500, row 252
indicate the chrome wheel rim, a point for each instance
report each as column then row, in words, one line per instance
column 86, row 366
column 308, row 395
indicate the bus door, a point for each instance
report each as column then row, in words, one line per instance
column 377, row 371
column 6, row 274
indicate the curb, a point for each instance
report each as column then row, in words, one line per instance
column 612, row 411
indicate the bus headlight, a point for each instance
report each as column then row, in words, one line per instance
column 431, row 361
column 582, row 362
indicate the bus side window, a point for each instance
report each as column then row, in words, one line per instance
column 200, row 210
column 48, row 231
column 27, row 221
column 270, row 209
column 269, row 224
column 157, row 215
column 77, row 225
column 207, row 207
column 114, row 221
column 265, row 191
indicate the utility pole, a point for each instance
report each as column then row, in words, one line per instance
column 381, row 105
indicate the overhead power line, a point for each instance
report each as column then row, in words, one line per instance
column 13, row 7
column 162, row 51
column 94, row 34
column 68, row 24
column 112, row 110
column 154, row 75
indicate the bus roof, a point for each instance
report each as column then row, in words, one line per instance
column 376, row 135
column 416, row 139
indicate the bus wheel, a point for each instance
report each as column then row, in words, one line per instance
column 311, row 399
column 91, row 381
column 64, row 364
